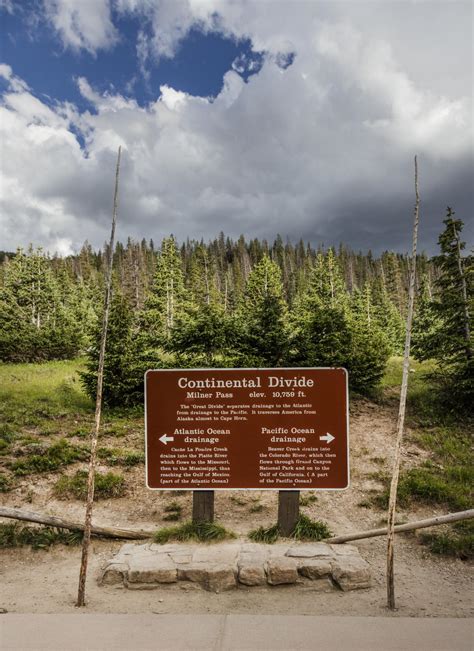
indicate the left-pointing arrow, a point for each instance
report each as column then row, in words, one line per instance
column 165, row 438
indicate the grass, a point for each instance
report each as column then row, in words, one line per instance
column 305, row 529
column 17, row 535
column 120, row 456
column 193, row 531
column 257, row 507
column 306, row 500
column 447, row 477
column 458, row 541
column 106, row 485
column 173, row 512
column 30, row 393
column 61, row 453
column 267, row 535
column 5, row 483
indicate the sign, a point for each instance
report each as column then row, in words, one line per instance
column 280, row 428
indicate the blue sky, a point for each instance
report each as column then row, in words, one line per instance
column 30, row 45
column 298, row 118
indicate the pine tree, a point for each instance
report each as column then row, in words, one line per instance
column 370, row 347
column 36, row 319
column 166, row 299
column 263, row 318
column 321, row 323
column 204, row 336
column 450, row 342
column 125, row 363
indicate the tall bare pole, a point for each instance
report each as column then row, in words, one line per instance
column 401, row 411
column 98, row 399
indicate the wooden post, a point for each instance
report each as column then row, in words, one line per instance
column 401, row 410
column 203, row 506
column 98, row 401
column 288, row 511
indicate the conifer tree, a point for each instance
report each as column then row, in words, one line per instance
column 321, row 323
column 125, row 363
column 263, row 318
column 450, row 341
column 167, row 296
column 370, row 347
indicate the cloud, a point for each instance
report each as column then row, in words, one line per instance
column 319, row 143
column 82, row 24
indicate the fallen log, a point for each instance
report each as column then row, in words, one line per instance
column 409, row 526
column 114, row 532
column 61, row 523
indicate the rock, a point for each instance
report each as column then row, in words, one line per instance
column 251, row 565
column 310, row 550
column 351, row 572
column 216, row 577
column 216, row 554
column 252, row 573
column 345, row 550
column 315, row 569
column 114, row 573
column 281, row 570
column 152, row 569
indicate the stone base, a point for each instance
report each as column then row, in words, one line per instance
column 222, row 567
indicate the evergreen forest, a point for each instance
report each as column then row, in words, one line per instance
column 241, row 303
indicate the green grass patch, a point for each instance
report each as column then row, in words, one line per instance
column 308, row 499
column 257, row 507
column 17, row 535
column 7, row 436
column 446, row 479
column 458, row 542
column 59, row 454
column 5, row 483
column 307, row 529
column 120, row 456
column 267, row 535
column 31, row 393
column 173, row 512
column 195, row 531
column 106, row 485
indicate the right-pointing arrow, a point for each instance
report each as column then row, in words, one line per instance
column 327, row 437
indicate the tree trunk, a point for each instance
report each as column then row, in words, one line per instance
column 402, row 407
column 409, row 526
column 98, row 402
column 467, row 334
column 61, row 523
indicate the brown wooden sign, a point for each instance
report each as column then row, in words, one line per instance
column 280, row 428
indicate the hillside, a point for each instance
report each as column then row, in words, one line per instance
column 44, row 404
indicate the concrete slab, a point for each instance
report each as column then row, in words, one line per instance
column 95, row 632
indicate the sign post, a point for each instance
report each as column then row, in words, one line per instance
column 282, row 429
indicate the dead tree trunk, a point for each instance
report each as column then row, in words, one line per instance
column 61, row 523
column 466, row 317
column 401, row 411
column 98, row 401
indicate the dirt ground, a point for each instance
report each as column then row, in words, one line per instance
column 426, row 585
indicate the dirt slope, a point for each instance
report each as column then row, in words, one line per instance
column 45, row 581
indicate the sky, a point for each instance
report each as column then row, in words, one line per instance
column 260, row 117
